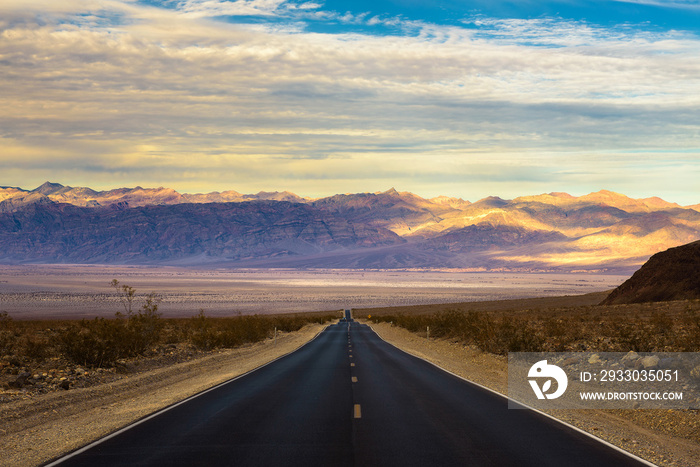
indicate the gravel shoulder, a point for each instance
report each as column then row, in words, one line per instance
column 36, row 429
column 664, row 437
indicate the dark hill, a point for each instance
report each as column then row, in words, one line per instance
column 673, row 274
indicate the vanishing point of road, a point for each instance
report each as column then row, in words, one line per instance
column 347, row 398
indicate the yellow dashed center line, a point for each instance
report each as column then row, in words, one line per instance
column 354, row 379
column 358, row 411
column 352, row 364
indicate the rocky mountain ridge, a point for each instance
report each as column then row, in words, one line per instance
column 135, row 197
column 391, row 229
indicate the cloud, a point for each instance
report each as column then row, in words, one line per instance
column 680, row 4
column 212, row 8
column 134, row 88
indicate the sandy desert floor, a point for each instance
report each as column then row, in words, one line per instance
column 65, row 291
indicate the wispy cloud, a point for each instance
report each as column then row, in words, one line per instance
column 682, row 4
column 214, row 8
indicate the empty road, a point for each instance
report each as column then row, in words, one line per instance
column 348, row 398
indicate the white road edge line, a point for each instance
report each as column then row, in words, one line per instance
column 165, row 409
column 600, row 440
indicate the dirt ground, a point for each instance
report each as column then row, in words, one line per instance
column 664, row 437
column 36, row 428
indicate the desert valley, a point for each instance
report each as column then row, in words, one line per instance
column 232, row 274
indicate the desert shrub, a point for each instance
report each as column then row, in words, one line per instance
column 690, row 341
column 639, row 336
column 103, row 341
column 513, row 335
column 479, row 328
column 6, row 335
column 473, row 327
column 37, row 348
column 649, row 327
column 209, row 333
column 142, row 330
column 446, row 324
column 557, row 327
column 212, row 333
column 414, row 323
column 562, row 334
column 201, row 331
column 661, row 323
column 126, row 295
column 98, row 342
column 5, row 321
column 294, row 323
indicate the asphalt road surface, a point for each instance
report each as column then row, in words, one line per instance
column 348, row 398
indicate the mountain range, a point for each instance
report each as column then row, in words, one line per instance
column 555, row 231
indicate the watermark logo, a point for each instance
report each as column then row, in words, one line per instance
column 541, row 371
column 603, row 380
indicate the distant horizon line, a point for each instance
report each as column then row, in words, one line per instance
column 310, row 198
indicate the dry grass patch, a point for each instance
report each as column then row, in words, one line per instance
column 549, row 325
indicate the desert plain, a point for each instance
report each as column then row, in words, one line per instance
column 80, row 291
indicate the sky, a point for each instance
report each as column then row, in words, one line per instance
column 447, row 97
